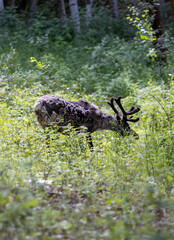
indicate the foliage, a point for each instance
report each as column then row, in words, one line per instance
column 121, row 190
column 142, row 22
column 124, row 189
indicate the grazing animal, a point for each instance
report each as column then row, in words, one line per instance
column 53, row 111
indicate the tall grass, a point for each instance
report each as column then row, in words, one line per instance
column 121, row 190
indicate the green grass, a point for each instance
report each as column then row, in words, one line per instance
column 124, row 188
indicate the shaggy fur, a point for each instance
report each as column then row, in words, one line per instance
column 54, row 111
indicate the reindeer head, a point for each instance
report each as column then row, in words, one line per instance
column 122, row 119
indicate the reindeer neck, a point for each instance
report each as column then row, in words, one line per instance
column 106, row 122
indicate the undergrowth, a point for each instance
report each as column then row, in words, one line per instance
column 123, row 189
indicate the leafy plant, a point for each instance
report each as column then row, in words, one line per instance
column 123, row 189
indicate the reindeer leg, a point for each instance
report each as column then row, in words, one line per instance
column 89, row 140
column 47, row 141
column 48, row 138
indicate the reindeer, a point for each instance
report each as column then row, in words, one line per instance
column 52, row 111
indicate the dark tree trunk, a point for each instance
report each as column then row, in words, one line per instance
column 115, row 8
column 33, row 7
column 10, row 3
column 159, row 43
column 62, row 12
column 162, row 8
column 172, row 5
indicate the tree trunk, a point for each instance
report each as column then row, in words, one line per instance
column 88, row 11
column 33, row 7
column 172, row 5
column 1, row 5
column 10, row 3
column 75, row 14
column 159, row 43
column 162, row 8
column 115, row 8
column 62, row 13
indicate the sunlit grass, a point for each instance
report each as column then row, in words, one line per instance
column 122, row 189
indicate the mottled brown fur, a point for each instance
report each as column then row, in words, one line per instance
column 52, row 111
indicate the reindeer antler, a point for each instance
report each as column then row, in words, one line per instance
column 111, row 103
column 118, row 114
column 123, row 116
column 132, row 111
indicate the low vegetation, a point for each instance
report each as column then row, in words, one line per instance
column 121, row 190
